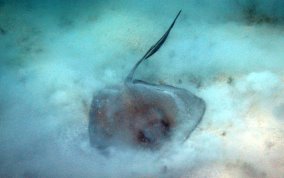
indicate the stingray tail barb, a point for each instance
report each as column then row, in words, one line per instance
column 152, row 50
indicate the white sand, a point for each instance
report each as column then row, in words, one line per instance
column 55, row 56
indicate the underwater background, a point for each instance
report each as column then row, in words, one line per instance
column 55, row 55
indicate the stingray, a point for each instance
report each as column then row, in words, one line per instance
column 141, row 113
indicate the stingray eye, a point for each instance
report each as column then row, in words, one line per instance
column 166, row 125
column 142, row 138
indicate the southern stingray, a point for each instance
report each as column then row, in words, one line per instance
column 141, row 113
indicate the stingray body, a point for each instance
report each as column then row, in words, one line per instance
column 143, row 114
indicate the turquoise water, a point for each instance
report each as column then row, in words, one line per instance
column 54, row 56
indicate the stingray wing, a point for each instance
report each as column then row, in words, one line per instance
column 186, row 108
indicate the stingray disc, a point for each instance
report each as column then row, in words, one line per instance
column 143, row 114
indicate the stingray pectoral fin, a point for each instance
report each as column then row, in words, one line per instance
column 152, row 50
column 189, row 108
column 196, row 108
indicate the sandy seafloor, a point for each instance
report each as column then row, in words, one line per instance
column 54, row 56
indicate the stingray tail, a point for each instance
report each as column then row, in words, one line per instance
column 152, row 50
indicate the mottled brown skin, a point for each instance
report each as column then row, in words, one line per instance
column 131, row 117
column 143, row 115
